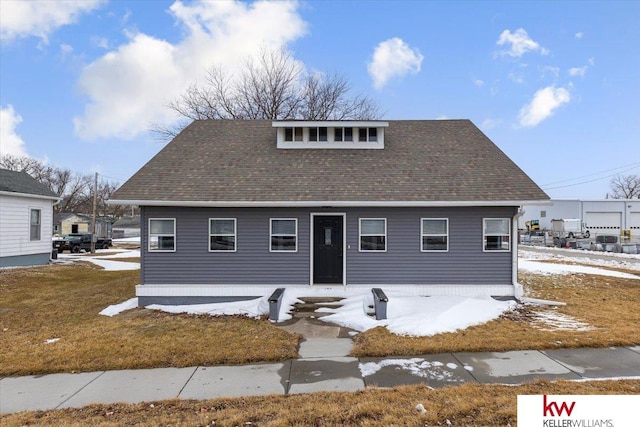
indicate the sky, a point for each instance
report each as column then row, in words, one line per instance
column 555, row 85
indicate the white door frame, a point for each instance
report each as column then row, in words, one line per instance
column 344, row 244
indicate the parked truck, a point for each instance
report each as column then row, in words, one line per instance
column 75, row 242
column 569, row 228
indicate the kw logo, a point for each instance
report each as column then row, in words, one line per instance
column 548, row 408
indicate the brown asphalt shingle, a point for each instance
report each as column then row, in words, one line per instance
column 423, row 161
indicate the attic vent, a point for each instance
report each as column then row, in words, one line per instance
column 345, row 134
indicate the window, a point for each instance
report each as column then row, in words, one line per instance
column 162, row 235
column 292, row 134
column 222, row 234
column 343, row 134
column 318, row 134
column 434, row 234
column 373, row 235
column 35, row 224
column 496, row 234
column 367, row 134
column 284, row 235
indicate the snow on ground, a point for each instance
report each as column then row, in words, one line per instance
column 112, row 310
column 251, row 308
column 549, row 320
column 547, row 268
column 602, row 259
column 415, row 366
column 105, row 261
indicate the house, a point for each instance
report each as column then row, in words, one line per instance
column 69, row 222
column 127, row 226
column 26, row 213
column 233, row 209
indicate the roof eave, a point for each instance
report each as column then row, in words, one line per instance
column 32, row 196
column 325, row 203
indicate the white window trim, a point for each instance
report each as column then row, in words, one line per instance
column 484, row 236
column 39, row 225
column 175, row 240
column 360, row 235
column 422, row 235
column 235, row 235
column 287, row 235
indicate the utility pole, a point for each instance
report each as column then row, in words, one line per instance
column 93, row 222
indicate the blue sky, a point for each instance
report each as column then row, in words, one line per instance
column 556, row 85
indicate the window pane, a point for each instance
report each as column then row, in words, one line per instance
column 161, row 226
column 362, row 134
column 222, row 226
column 322, row 132
column 337, row 134
column 313, row 134
column 372, row 226
column 434, row 226
column 283, row 243
column 298, row 134
column 497, row 243
column 283, row 226
column 162, row 243
column 35, row 216
column 496, row 226
column 373, row 134
column 348, row 134
column 372, row 243
column 327, row 236
column 288, row 134
column 223, row 243
column 434, row 243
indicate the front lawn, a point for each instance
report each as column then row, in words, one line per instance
column 49, row 323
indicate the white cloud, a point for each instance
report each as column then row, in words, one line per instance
column 488, row 124
column 40, row 18
column 579, row 35
column 101, row 42
column 130, row 86
column 478, row 82
column 516, row 77
column 578, row 71
column 10, row 141
column 393, row 58
column 519, row 43
column 65, row 50
column 543, row 105
column 592, row 61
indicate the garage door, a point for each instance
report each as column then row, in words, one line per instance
column 634, row 220
column 603, row 220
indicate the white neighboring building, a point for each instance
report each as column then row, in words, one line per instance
column 607, row 216
column 26, row 220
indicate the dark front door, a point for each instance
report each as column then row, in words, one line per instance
column 327, row 249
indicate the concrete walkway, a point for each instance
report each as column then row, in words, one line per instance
column 323, row 366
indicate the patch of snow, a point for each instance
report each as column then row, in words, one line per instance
column 602, row 259
column 415, row 366
column 468, row 368
column 559, row 322
column 104, row 261
column 419, row 316
column 52, row 340
column 127, row 240
column 114, row 265
column 546, row 268
column 251, row 308
column 452, row 365
column 112, row 310
column 121, row 253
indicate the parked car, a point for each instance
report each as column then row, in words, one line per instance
column 76, row 242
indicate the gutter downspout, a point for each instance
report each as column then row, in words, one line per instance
column 517, row 287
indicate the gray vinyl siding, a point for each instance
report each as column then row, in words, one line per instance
column 403, row 263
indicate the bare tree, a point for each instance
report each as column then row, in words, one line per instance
column 75, row 190
column 272, row 87
column 625, row 187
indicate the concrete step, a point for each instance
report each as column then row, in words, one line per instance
column 310, row 304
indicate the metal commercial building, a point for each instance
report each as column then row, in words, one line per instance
column 608, row 216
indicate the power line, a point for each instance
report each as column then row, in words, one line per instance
column 632, row 165
column 592, row 180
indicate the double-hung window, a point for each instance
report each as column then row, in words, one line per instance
column 434, row 235
column 496, row 234
column 373, row 235
column 35, row 224
column 162, row 234
column 222, row 234
column 284, row 235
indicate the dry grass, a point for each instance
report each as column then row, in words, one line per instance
column 608, row 304
column 37, row 304
column 467, row 405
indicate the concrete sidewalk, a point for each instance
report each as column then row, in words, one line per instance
column 323, row 366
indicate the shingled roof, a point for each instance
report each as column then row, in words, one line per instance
column 23, row 183
column 237, row 161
